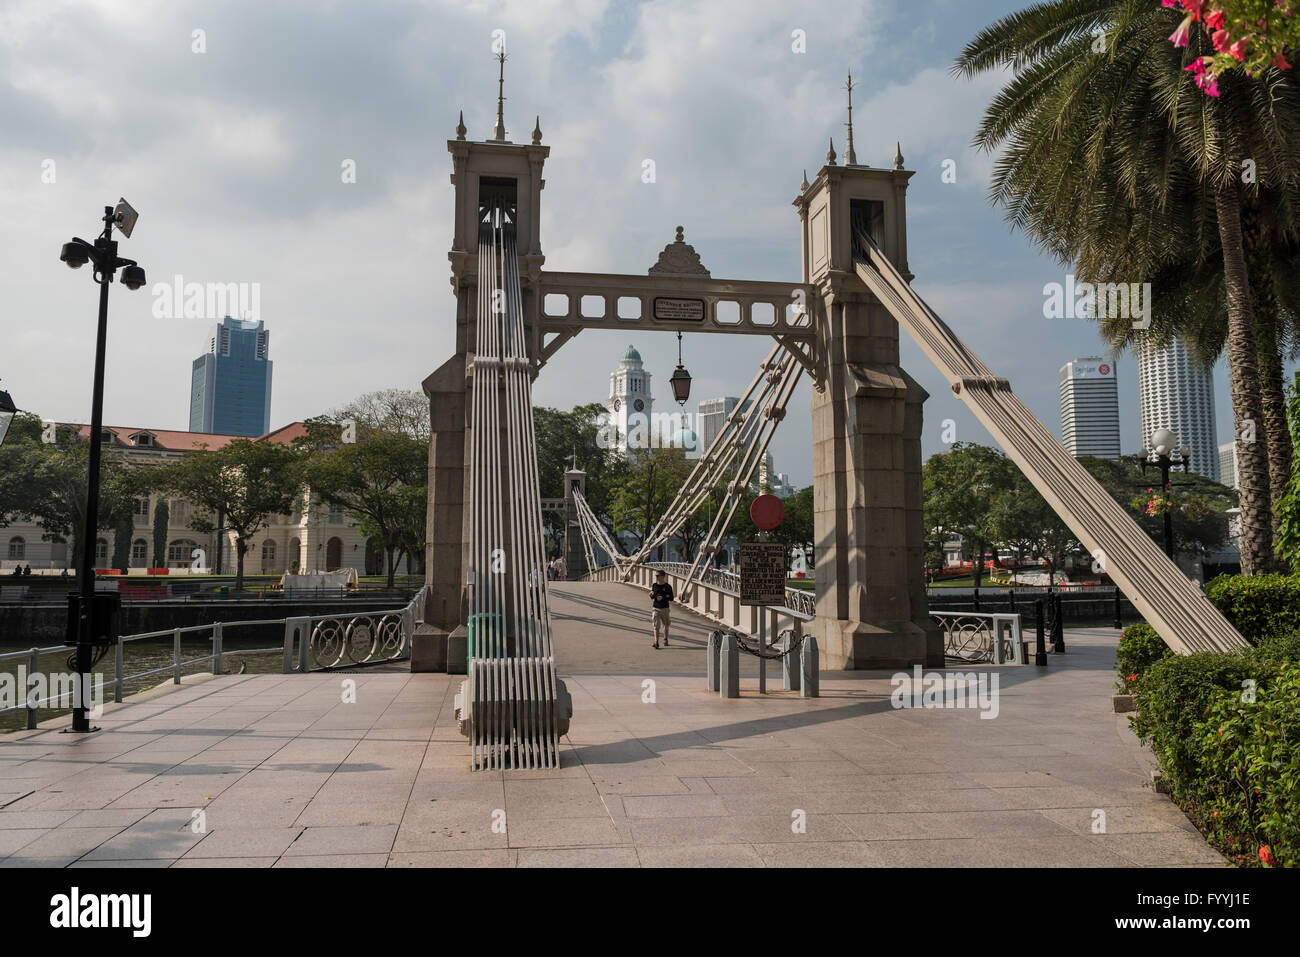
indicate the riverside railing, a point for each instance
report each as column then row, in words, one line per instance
column 980, row 636
column 315, row 643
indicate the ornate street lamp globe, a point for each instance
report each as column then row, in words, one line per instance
column 1163, row 441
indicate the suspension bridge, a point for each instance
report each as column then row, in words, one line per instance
column 839, row 325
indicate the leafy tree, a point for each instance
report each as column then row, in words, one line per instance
column 962, row 488
column 379, row 480
column 653, row 479
column 390, row 410
column 123, row 532
column 1113, row 160
column 564, row 438
column 247, row 481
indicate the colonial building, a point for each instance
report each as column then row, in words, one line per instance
column 315, row 537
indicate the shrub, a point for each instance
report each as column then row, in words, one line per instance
column 1248, row 752
column 1139, row 648
column 1173, row 701
column 1259, row 606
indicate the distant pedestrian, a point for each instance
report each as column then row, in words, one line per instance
column 18, row 571
column 561, row 569
column 661, row 598
column 27, row 570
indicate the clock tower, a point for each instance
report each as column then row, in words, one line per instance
column 630, row 401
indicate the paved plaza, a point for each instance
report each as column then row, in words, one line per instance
column 278, row 771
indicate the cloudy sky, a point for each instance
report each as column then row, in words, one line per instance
column 233, row 157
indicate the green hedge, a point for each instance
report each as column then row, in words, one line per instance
column 1139, row 648
column 1259, row 606
column 1226, row 730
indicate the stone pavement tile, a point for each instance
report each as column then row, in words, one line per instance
column 711, row 855
column 245, row 842
column 1015, row 779
column 540, row 799
column 674, row 805
column 15, row 839
column 353, row 807
column 641, row 784
column 562, row 832
column 344, row 841
column 1064, row 796
column 187, row 861
column 1123, row 819
column 819, row 854
column 143, row 862
column 66, row 843
column 108, row 817
column 165, row 833
column 28, row 819
column 1159, row 848
column 746, row 829
column 578, row 857
column 334, row 860
column 1008, row 825
column 446, row 825
column 485, row 857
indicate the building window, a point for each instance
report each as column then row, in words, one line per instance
column 17, row 547
column 101, row 552
column 180, row 512
column 179, row 553
column 139, row 553
column 336, row 516
column 268, row 555
column 142, row 511
column 105, row 436
column 144, row 440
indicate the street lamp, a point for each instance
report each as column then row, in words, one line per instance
column 680, row 381
column 95, row 614
column 7, row 412
column 1165, row 455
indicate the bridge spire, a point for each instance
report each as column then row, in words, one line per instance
column 850, row 157
column 499, row 131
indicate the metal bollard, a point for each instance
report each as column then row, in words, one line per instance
column 977, row 599
column 1040, row 644
column 1058, row 626
column 729, row 668
column 217, row 668
column 711, row 659
column 809, row 669
column 1119, row 619
column 789, row 667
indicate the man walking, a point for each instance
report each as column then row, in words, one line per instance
column 661, row 596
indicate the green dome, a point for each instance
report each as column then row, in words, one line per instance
column 631, row 355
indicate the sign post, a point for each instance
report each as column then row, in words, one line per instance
column 762, row 572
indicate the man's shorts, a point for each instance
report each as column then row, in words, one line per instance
column 659, row 617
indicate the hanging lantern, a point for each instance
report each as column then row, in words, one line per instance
column 680, row 381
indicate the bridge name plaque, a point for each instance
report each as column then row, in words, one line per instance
column 762, row 573
column 691, row 310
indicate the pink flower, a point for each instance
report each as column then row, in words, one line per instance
column 1179, row 37
column 1279, row 61
column 1220, row 39
column 1238, row 49
column 1194, row 7
column 1214, row 19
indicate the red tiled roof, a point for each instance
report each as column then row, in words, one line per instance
column 165, row 440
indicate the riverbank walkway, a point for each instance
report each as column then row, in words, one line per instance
column 282, row 771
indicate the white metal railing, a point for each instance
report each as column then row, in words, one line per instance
column 796, row 599
column 311, row 643
column 981, row 636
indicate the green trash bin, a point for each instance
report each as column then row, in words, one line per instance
column 225, row 591
column 481, row 630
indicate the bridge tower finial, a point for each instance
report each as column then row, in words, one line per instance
column 499, row 131
column 850, row 157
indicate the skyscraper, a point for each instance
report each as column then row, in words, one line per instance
column 1228, row 464
column 712, row 416
column 230, row 387
column 1090, row 407
column 1178, row 396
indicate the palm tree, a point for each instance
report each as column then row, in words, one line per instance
column 1113, row 160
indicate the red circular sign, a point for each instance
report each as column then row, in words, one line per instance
column 1104, row 369
column 767, row 512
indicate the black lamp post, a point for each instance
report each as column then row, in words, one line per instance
column 680, row 381
column 1166, row 456
column 7, row 412
column 90, row 612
